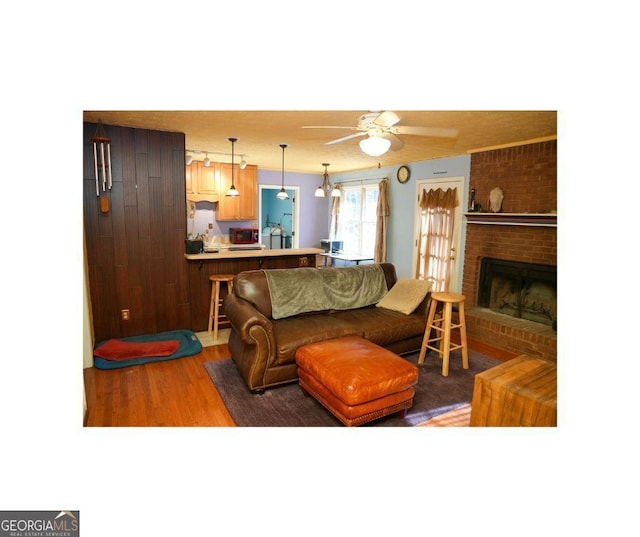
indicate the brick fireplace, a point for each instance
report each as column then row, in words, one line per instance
column 527, row 175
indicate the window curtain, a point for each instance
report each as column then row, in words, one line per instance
column 436, row 236
column 335, row 214
column 382, row 212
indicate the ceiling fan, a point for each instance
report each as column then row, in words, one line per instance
column 381, row 129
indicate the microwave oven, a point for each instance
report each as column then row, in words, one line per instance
column 243, row 235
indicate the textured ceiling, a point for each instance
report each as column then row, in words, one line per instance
column 260, row 133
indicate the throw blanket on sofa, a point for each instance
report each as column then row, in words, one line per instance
column 302, row 290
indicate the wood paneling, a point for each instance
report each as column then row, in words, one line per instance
column 135, row 251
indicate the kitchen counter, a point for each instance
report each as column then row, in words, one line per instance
column 200, row 267
column 243, row 254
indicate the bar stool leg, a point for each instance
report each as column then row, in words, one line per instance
column 427, row 331
column 211, row 307
column 446, row 338
column 216, row 314
column 463, row 336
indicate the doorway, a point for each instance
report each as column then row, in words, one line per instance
column 278, row 219
column 453, row 243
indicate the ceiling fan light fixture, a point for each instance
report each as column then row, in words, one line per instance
column 375, row 146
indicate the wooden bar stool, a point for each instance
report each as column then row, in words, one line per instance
column 442, row 327
column 216, row 302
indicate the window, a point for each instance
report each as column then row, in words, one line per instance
column 357, row 222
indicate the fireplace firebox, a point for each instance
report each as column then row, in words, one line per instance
column 522, row 290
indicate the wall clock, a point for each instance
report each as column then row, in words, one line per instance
column 403, row 174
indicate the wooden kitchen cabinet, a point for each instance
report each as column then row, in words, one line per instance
column 244, row 206
column 202, row 181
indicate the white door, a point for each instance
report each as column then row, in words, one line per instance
column 274, row 213
column 455, row 267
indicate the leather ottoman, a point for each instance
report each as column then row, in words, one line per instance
column 356, row 380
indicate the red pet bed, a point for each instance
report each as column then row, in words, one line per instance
column 137, row 350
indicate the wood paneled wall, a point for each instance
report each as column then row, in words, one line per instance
column 135, row 251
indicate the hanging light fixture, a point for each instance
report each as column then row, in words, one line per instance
column 326, row 186
column 282, row 195
column 232, row 192
column 374, row 145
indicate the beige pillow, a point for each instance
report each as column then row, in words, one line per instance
column 405, row 296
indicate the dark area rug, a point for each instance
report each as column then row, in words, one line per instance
column 287, row 406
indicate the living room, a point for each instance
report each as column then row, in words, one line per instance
column 526, row 170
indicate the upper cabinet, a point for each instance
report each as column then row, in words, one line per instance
column 244, row 206
column 202, row 181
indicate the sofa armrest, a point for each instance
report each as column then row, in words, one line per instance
column 243, row 316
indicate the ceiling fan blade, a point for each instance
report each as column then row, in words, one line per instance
column 426, row 131
column 387, row 119
column 346, row 138
column 396, row 143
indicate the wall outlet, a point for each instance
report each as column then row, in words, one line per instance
column 210, row 225
column 125, row 315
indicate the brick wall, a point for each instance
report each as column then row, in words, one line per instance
column 527, row 175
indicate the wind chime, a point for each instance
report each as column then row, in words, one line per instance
column 102, row 164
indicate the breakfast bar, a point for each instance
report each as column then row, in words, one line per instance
column 231, row 261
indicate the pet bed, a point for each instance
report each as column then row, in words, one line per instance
column 137, row 350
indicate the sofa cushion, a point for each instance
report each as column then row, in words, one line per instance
column 382, row 326
column 406, row 295
column 294, row 332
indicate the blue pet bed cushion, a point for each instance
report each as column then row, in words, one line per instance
column 113, row 353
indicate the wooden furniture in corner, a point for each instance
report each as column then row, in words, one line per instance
column 521, row 392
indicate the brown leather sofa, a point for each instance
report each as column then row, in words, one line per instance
column 264, row 348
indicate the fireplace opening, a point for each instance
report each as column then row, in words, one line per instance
column 523, row 290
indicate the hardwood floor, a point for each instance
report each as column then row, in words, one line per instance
column 175, row 393
column 171, row 393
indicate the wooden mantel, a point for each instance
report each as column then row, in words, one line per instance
column 514, row 219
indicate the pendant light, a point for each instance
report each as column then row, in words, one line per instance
column 282, row 195
column 326, row 186
column 232, row 192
